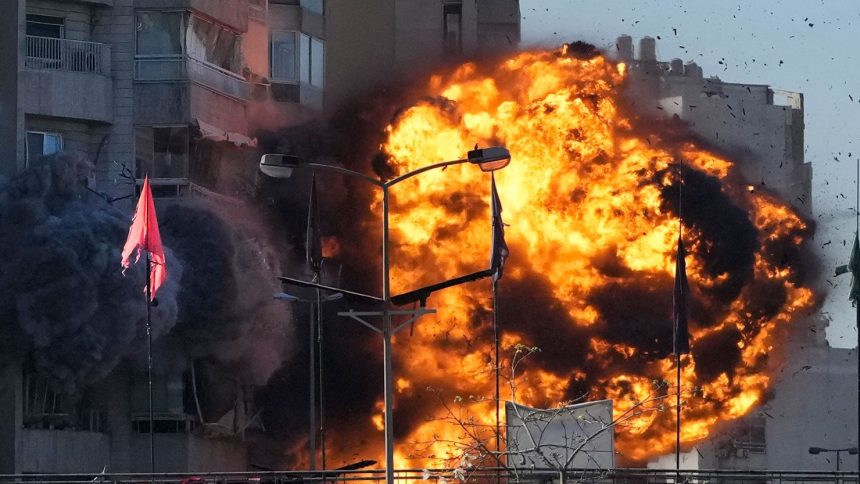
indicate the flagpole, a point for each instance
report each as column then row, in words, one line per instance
column 320, row 352
column 496, row 341
column 675, row 343
column 149, row 364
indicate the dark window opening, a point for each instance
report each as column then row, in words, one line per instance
column 452, row 16
column 285, row 93
column 45, row 26
column 161, row 152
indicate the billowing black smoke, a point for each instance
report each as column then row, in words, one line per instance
column 67, row 308
column 63, row 297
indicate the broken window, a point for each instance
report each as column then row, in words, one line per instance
column 159, row 33
column 47, row 408
column 168, row 408
column 214, row 44
column 40, row 143
column 161, row 151
column 452, row 27
column 284, row 56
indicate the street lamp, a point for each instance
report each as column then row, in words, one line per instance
column 282, row 166
column 819, row 450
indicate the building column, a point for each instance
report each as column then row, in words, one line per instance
column 12, row 28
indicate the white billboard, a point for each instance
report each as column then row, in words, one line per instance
column 577, row 436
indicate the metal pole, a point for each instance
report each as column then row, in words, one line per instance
column 149, row 365
column 322, row 401
column 386, row 348
column 857, row 303
column 312, row 394
column 496, row 341
column 678, row 418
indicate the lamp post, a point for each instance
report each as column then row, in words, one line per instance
column 314, row 305
column 282, row 166
column 819, row 450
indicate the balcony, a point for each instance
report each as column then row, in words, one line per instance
column 53, row 68
column 184, row 68
column 67, row 55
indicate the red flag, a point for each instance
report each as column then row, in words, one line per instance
column 144, row 235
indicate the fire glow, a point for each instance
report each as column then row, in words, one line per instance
column 591, row 202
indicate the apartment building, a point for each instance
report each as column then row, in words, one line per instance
column 169, row 87
column 813, row 402
column 176, row 89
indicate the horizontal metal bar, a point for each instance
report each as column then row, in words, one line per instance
column 301, row 283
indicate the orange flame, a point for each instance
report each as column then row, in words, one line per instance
column 584, row 184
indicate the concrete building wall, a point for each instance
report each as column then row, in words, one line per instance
column 214, row 108
column 11, row 63
column 76, row 16
column 762, row 134
column 115, row 26
column 62, row 451
column 10, row 416
column 420, row 38
column 814, row 405
column 359, row 48
column 47, row 93
column 498, row 24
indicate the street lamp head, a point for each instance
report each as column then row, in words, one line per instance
column 853, row 451
column 816, row 450
column 490, row 159
column 278, row 166
column 282, row 296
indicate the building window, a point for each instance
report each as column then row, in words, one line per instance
column 315, row 6
column 45, row 26
column 452, row 28
column 40, row 143
column 312, row 61
column 283, row 54
column 159, row 33
column 317, row 55
column 162, row 153
column 213, row 44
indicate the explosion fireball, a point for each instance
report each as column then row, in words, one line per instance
column 591, row 199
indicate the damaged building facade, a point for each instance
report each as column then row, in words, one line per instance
column 814, row 397
column 176, row 89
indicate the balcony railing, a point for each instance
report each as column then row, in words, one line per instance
column 67, row 55
column 182, row 68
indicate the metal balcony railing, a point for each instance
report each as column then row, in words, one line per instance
column 67, row 55
column 182, row 68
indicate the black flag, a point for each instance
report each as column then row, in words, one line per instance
column 313, row 242
column 500, row 247
column 681, row 333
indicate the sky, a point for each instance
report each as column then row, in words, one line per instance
column 810, row 46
